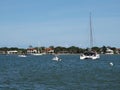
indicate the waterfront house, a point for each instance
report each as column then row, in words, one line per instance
column 49, row 50
column 12, row 52
column 109, row 51
column 2, row 52
column 31, row 50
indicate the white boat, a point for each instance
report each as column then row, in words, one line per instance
column 22, row 56
column 56, row 58
column 90, row 54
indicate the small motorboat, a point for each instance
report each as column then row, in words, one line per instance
column 56, row 58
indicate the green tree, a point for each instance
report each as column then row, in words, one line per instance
column 104, row 48
column 97, row 49
column 74, row 49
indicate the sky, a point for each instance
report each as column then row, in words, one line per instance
column 59, row 23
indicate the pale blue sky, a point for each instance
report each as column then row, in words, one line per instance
column 59, row 22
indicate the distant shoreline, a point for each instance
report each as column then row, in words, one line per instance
column 59, row 50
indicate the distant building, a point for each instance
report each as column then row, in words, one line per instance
column 49, row 50
column 12, row 52
column 109, row 51
column 31, row 50
column 2, row 52
column 118, row 51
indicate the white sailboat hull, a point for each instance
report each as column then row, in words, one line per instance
column 97, row 56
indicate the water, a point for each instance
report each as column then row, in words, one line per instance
column 41, row 73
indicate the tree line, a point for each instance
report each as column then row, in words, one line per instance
column 61, row 49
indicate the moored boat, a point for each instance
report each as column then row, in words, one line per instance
column 56, row 58
column 90, row 54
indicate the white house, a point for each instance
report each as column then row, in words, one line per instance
column 12, row 52
column 109, row 51
column 31, row 50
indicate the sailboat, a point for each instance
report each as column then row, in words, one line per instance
column 90, row 54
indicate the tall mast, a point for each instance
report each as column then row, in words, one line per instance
column 91, row 36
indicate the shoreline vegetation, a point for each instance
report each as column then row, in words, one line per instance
column 58, row 50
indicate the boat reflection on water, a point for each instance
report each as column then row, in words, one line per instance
column 22, row 55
